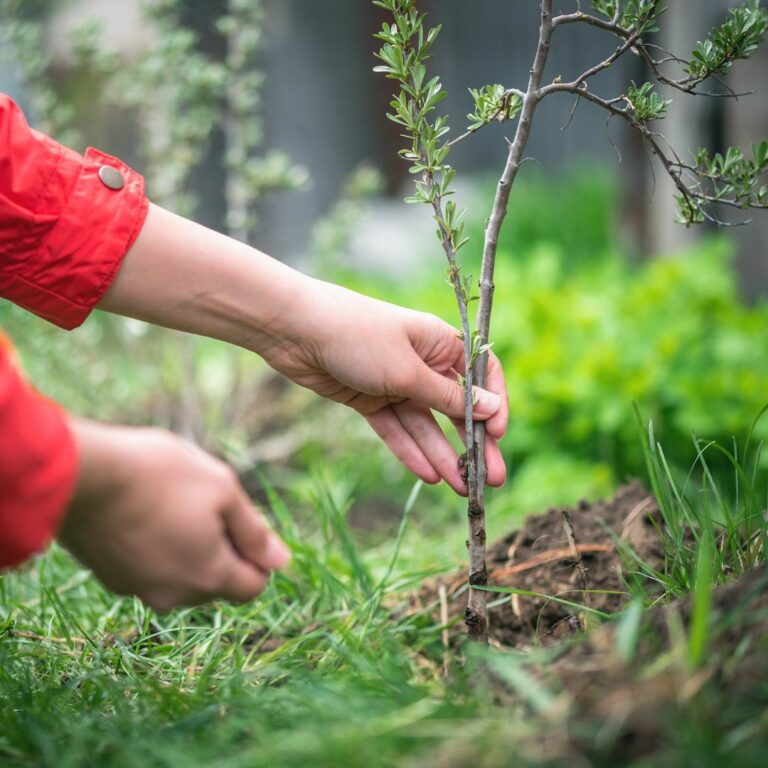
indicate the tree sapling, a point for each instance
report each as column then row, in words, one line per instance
column 705, row 184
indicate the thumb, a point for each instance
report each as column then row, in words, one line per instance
column 251, row 537
column 444, row 394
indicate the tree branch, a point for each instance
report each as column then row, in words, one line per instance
column 628, row 43
column 593, row 21
column 476, row 613
column 674, row 167
column 685, row 85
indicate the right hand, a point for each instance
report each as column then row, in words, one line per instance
column 394, row 366
column 156, row 517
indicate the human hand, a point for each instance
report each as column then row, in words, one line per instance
column 157, row 517
column 394, row 366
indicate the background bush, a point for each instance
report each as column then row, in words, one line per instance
column 583, row 333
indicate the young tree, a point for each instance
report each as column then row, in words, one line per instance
column 705, row 184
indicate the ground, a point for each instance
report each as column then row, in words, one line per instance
column 351, row 659
column 573, row 555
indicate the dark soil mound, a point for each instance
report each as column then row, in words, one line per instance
column 571, row 554
column 640, row 707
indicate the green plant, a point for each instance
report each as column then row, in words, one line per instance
column 406, row 48
column 589, row 336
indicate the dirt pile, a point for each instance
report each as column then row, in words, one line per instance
column 571, row 554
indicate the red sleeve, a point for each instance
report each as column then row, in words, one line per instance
column 38, row 466
column 66, row 221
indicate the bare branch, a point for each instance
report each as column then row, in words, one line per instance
column 628, row 43
column 593, row 21
column 687, row 85
column 575, row 106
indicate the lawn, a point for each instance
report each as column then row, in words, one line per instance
column 346, row 659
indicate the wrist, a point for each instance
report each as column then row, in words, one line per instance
column 100, row 467
column 271, row 308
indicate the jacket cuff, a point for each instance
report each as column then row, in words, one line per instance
column 80, row 255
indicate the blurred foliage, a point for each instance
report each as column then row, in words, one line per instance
column 177, row 96
column 331, row 235
column 583, row 333
column 578, row 215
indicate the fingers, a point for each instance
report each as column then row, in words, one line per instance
column 251, row 552
column 388, row 427
column 495, row 382
column 242, row 581
column 442, row 393
column 251, row 537
column 494, row 460
column 420, row 424
column 497, row 424
column 412, row 434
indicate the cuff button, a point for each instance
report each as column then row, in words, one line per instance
column 111, row 177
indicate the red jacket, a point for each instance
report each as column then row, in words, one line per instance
column 66, row 221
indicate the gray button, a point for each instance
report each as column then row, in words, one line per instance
column 111, row 177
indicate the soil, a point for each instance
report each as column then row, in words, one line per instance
column 641, row 707
column 571, row 554
column 616, row 709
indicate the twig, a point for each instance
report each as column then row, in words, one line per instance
column 575, row 106
column 549, row 556
column 593, row 21
column 580, row 569
column 494, row 117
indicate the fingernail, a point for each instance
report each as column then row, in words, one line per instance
column 276, row 553
column 486, row 403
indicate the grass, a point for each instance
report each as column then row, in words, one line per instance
column 326, row 669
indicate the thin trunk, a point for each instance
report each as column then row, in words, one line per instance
column 476, row 614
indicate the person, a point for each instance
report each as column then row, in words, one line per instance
column 149, row 513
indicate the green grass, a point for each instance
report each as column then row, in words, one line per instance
column 327, row 669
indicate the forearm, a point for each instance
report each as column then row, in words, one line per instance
column 181, row 275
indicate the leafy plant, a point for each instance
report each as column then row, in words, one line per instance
column 702, row 187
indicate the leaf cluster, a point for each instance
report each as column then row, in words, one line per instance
column 731, row 177
column 646, row 103
column 492, row 103
column 404, row 54
column 406, row 48
column 637, row 16
column 737, row 38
